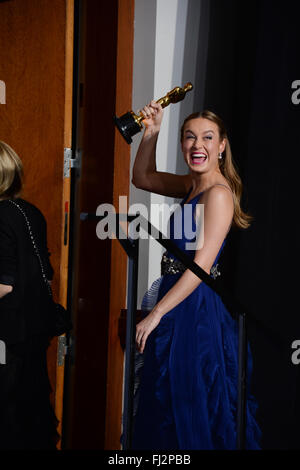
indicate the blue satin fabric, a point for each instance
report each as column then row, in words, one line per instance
column 187, row 386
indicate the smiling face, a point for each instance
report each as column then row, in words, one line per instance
column 201, row 145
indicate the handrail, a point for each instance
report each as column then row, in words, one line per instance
column 131, row 248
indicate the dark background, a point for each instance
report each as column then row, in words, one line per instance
column 253, row 58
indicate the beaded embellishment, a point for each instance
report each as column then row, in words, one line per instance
column 214, row 271
column 171, row 265
column 174, row 266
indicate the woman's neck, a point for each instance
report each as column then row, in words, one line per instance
column 203, row 181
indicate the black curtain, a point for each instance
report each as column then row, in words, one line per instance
column 253, row 59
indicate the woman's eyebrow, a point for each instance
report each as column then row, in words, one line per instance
column 204, row 132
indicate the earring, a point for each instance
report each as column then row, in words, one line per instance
column 220, row 156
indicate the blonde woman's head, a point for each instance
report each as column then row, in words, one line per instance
column 11, row 172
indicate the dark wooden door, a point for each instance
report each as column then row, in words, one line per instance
column 99, row 267
column 91, row 258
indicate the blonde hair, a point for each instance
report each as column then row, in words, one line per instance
column 11, row 172
column 227, row 167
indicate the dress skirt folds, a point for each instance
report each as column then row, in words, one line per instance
column 187, row 377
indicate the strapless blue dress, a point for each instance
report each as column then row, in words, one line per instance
column 186, row 379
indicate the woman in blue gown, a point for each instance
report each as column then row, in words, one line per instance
column 187, row 341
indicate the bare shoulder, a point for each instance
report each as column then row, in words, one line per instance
column 219, row 195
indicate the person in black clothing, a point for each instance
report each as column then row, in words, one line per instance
column 27, row 419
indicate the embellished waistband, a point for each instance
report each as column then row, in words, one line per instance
column 174, row 266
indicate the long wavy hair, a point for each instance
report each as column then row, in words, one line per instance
column 227, row 167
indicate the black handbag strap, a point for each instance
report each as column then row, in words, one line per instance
column 36, row 250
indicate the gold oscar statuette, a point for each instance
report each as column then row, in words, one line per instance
column 131, row 123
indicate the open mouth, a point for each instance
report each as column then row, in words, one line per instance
column 198, row 158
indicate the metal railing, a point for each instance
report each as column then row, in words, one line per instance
column 131, row 246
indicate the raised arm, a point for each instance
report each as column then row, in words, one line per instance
column 145, row 175
column 218, row 213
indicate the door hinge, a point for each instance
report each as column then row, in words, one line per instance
column 70, row 162
column 62, row 350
